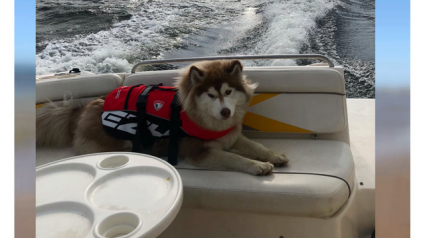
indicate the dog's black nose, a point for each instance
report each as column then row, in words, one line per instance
column 225, row 112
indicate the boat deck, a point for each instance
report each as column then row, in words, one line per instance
column 361, row 121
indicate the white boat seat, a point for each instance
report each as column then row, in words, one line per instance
column 320, row 175
column 79, row 86
column 316, row 183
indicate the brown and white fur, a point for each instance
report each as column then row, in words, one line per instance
column 214, row 94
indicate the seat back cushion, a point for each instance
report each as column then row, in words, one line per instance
column 83, row 86
column 302, row 99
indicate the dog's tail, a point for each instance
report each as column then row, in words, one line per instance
column 56, row 122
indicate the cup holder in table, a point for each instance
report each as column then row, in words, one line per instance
column 114, row 162
column 118, row 225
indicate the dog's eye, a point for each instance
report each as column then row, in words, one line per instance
column 211, row 95
column 228, row 92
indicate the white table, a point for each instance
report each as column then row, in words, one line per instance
column 107, row 195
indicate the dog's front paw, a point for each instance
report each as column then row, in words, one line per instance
column 276, row 159
column 260, row 168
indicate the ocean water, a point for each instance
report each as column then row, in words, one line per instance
column 105, row 36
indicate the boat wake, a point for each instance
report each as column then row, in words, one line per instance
column 114, row 35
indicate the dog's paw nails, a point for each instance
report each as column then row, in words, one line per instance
column 278, row 160
column 261, row 168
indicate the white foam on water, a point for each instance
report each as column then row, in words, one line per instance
column 289, row 25
column 99, row 53
column 160, row 26
column 156, row 27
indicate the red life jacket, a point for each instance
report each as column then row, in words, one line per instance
column 120, row 117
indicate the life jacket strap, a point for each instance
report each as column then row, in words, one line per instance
column 128, row 95
column 147, row 139
column 175, row 124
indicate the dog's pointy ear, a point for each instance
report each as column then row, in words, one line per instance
column 235, row 68
column 196, row 75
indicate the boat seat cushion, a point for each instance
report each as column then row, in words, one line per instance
column 306, row 99
column 54, row 89
column 316, row 182
column 308, row 79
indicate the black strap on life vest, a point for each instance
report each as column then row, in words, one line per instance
column 129, row 94
column 175, row 124
column 147, row 139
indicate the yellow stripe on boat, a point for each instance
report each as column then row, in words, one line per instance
column 265, row 124
column 261, row 98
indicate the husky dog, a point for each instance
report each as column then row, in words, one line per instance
column 214, row 94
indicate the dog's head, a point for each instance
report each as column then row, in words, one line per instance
column 215, row 88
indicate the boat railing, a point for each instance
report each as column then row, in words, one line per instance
column 239, row 57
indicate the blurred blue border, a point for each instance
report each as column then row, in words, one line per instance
column 25, row 118
column 392, row 90
column 392, row 43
